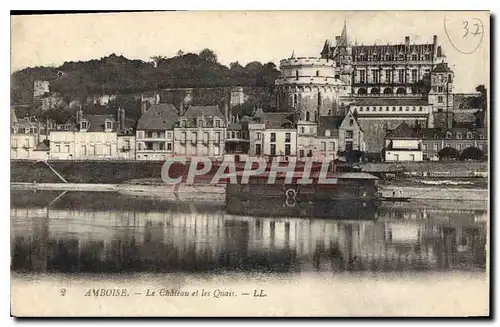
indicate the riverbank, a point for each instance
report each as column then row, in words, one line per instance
column 218, row 191
column 117, row 172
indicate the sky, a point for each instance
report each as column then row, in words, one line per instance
column 50, row 40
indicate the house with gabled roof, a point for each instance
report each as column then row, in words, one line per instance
column 200, row 132
column 155, row 132
column 404, row 143
column 88, row 137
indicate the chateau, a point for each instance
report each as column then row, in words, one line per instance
column 383, row 85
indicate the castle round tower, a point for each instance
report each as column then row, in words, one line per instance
column 310, row 86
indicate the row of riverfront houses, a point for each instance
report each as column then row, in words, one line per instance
column 163, row 131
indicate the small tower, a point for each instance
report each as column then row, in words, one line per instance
column 441, row 95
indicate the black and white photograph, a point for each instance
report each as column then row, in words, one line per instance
column 250, row 164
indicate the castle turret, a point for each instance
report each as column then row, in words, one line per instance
column 308, row 86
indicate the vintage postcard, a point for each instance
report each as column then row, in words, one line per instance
column 247, row 164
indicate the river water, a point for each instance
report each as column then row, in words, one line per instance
column 111, row 235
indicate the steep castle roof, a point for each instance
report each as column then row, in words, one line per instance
column 441, row 68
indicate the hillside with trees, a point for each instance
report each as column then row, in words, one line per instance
column 118, row 75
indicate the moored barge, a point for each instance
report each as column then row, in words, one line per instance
column 348, row 195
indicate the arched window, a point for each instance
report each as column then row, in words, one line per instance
column 315, row 116
column 307, row 116
column 296, row 74
column 295, row 100
column 319, row 99
column 317, row 73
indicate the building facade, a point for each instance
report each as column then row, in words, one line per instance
column 201, row 132
column 237, row 138
column 378, row 115
column 92, row 137
column 327, row 138
column 403, row 144
column 126, row 147
column 273, row 135
column 435, row 140
column 155, row 132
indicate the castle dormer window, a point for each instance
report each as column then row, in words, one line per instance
column 448, row 135
column 414, row 57
column 374, row 56
column 201, row 123
column 469, row 135
column 387, row 56
column 183, row 122
column 84, row 124
column 401, row 56
column 216, row 122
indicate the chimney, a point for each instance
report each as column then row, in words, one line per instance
column 47, row 128
column 439, row 52
column 181, row 109
column 122, row 119
column 407, row 41
column 144, row 107
column 226, row 111
column 38, row 131
column 79, row 115
column 434, row 42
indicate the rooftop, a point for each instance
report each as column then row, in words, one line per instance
column 161, row 116
column 194, row 112
column 391, row 102
column 331, row 123
column 279, row 120
column 403, row 131
column 441, row 68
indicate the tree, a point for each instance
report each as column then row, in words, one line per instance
column 483, row 98
column 472, row 153
column 157, row 59
column 353, row 156
column 448, row 153
column 180, row 53
column 208, row 55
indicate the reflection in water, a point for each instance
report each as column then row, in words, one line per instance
column 105, row 232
